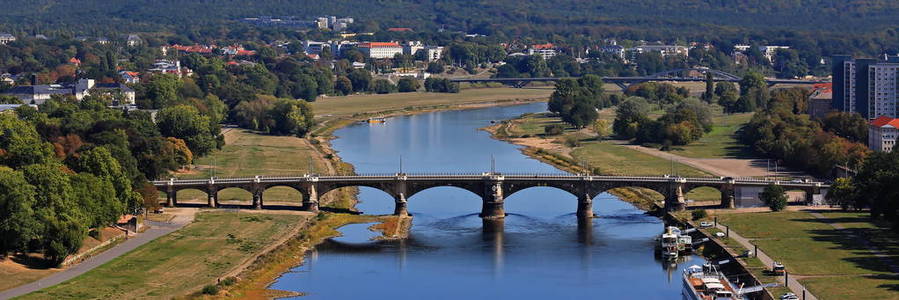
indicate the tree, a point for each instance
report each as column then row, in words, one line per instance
column 435, row 68
column 6, row 99
column 100, row 162
column 631, row 112
column 709, row 95
column 775, row 197
column 383, row 86
column 186, row 123
column 849, row 125
column 842, row 193
column 20, row 143
column 343, row 85
column 602, row 129
column 19, row 225
column 291, row 117
column 182, row 153
column 360, row 80
column 160, row 91
column 407, row 84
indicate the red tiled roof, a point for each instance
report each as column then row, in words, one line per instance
column 824, row 87
column 884, row 121
column 377, row 44
column 543, row 46
column 399, row 29
column 75, row 61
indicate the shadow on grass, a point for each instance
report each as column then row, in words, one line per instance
column 32, row 261
column 874, row 249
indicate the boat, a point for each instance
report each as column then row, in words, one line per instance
column 673, row 242
column 376, row 120
column 707, row 283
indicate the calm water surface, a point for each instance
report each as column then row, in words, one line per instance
column 538, row 252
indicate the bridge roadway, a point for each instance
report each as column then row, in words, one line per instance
column 493, row 188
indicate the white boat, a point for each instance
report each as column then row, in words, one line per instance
column 707, row 283
column 673, row 241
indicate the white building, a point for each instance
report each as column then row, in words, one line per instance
column 770, row 51
column 133, row 40
column 6, row 38
column 545, row 53
column 882, row 134
column 313, row 47
column 614, row 50
column 411, row 47
column 869, row 87
column 380, row 50
column 663, row 50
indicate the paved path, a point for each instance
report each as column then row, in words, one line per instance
column 793, row 285
column 157, row 230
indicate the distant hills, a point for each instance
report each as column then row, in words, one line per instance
column 509, row 16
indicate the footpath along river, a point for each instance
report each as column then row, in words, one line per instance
column 539, row 251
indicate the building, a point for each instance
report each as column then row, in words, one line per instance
column 663, row 50
column 130, row 77
column 121, row 93
column 866, row 86
column 614, row 50
column 313, row 47
column 411, row 47
column 170, row 67
column 380, row 50
column 8, row 107
column 133, row 40
column 547, row 50
column 38, row 94
column 6, row 38
column 770, row 51
column 882, row 134
column 399, row 29
column 433, row 53
column 820, row 100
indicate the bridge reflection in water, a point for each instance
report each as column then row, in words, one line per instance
column 493, row 188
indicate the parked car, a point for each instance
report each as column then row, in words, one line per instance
column 705, row 224
column 720, row 234
column 789, row 296
column 778, row 268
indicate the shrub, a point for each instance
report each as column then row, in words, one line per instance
column 699, row 214
column 229, row 281
column 775, row 197
column 210, row 289
column 572, row 141
column 554, row 129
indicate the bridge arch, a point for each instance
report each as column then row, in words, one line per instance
column 291, row 194
column 413, row 188
column 191, row 195
column 234, row 195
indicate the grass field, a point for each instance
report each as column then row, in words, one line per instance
column 613, row 159
column 721, row 142
column 374, row 103
column 840, row 265
column 181, row 262
column 248, row 154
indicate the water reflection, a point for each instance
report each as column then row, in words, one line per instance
column 539, row 250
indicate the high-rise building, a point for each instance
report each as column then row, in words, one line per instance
column 869, row 87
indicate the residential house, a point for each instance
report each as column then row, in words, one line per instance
column 616, row 50
column 882, row 134
column 121, row 93
column 38, row 94
column 130, row 77
column 663, row 50
column 6, row 38
column 9, row 107
column 820, row 100
column 133, row 40
column 170, row 67
column 547, row 50
column 102, row 40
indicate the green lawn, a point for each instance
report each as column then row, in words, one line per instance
column 721, row 142
column 809, row 246
column 616, row 160
column 179, row 263
column 249, row 154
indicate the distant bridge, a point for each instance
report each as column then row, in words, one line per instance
column 624, row 82
column 493, row 188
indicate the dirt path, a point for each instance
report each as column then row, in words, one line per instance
column 793, row 285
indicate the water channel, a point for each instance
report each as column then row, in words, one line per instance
column 538, row 251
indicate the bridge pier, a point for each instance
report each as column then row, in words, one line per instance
column 401, row 205
column 727, row 195
column 675, row 201
column 585, row 206
column 171, row 198
column 310, row 202
column 493, row 201
column 257, row 199
column 211, row 198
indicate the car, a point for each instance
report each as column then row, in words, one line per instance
column 719, row 234
column 778, row 268
column 789, row 296
column 705, row 224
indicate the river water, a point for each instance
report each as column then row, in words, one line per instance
column 538, row 251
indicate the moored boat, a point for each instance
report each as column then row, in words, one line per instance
column 707, row 283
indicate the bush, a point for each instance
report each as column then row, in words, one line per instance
column 775, row 197
column 699, row 214
column 572, row 141
column 229, row 281
column 210, row 289
column 554, row 129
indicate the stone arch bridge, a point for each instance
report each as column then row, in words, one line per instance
column 493, row 188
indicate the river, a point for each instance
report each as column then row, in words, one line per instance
column 538, row 251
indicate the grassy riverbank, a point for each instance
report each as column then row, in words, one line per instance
column 182, row 262
column 832, row 263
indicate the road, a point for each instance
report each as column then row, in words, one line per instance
column 793, row 285
column 157, row 229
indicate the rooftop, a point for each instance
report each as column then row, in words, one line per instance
column 884, row 121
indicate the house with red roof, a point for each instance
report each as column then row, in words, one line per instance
column 820, row 101
column 399, row 29
column 882, row 134
column 75, row 61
